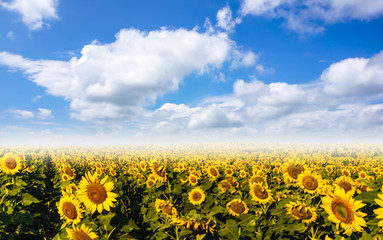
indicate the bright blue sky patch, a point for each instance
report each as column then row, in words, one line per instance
column 86, row 72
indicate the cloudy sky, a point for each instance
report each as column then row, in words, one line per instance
column 97, row 72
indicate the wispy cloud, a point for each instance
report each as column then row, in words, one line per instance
column 33, row 13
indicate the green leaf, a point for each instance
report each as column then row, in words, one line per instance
column 367, row 197
column 15, row 190
column 28, row 199
column 230, row 231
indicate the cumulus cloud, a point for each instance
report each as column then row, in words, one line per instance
column 21, row 114
column 309, row 16
column 116, row 81
column 44, row 114
column 255, row 108
column 33, row 12
column 225, row 19
column 355, row 77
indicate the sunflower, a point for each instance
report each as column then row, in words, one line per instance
column 379, row 211
column 310, row 182
column 158, row 171
column 166, row 207
column 229, row 171
column 83, row 233
column 347, row 184
column 66, row 169
column 291, row 170
column 224, row 185
column 342, row 209
column 260, row 194
column 95, row 193
column 301, row 212
column 196, row 196
column 362, row 175
column 237, row 207
column 193, row 179
column 11, row 163
column 70, row 210
column 213, row 172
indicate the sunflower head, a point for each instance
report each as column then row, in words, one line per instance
column 237, row 207
column 343, row 210
column 291, row 171
column 96, row 194
column 260, row 194
column 82, row 233
column 193, row 179
column 224, row 185
column 301, row 212
column 310, row 182
column 70, row 210
column 347, row 184
column 213, row 172
column 11, row 163
column 196, row 196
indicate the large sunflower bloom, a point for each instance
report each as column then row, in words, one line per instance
column 69, row 209
column 342, row 209
column 260, row 194
column 301, row 212
column 237, row 207
column 379, row 211
column 95, row 193
column 310, row 182
column 83, row 233
column 291, row 170
column 11, row 163
column 196, row 196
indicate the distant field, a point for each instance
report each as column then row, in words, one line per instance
column 197, row 191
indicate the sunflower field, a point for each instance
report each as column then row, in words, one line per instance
column 195, row 191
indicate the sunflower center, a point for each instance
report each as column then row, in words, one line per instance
column 69, row 172
column 96, row 193
column 238, row 208
column 260, row 192
column 342, row 211
column 257, row 180
column 196, row 196
column 224, row 184
column 302, row 212
column 310, row 182
column 10, row 163
column 345, row 185
column 79, row 235
column 167, row 209
column 294, row 170
column 69, row 210
column 193, row 179
column 213, row 172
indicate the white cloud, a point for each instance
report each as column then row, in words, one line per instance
column 116, row 81
column 21, row 114
column 33, row 12
column 44, row 114
column 308, row 16
column 225, row 19
column 355, row 77
column 10, row 35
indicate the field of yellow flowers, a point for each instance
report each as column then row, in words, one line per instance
column 196, row 191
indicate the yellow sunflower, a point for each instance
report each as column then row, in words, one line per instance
column 291, row 170
column 159, row 171
column 213, row 172
column 193, row 179
column 347, row 184
column 237, row 207
column 70, row 210
column 166, row 207
column 260, row 194
column 11, row 163
column 379, row 211
column 342, row 209
column 224, row 185
column 310, row 182
column 301, row 212
column 82, row 233
column 96, row 194
column 196, row 196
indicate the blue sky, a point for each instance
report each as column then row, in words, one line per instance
column 96, row 72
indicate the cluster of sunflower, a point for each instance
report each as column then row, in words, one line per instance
column 219, row 191
column 94, row 192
